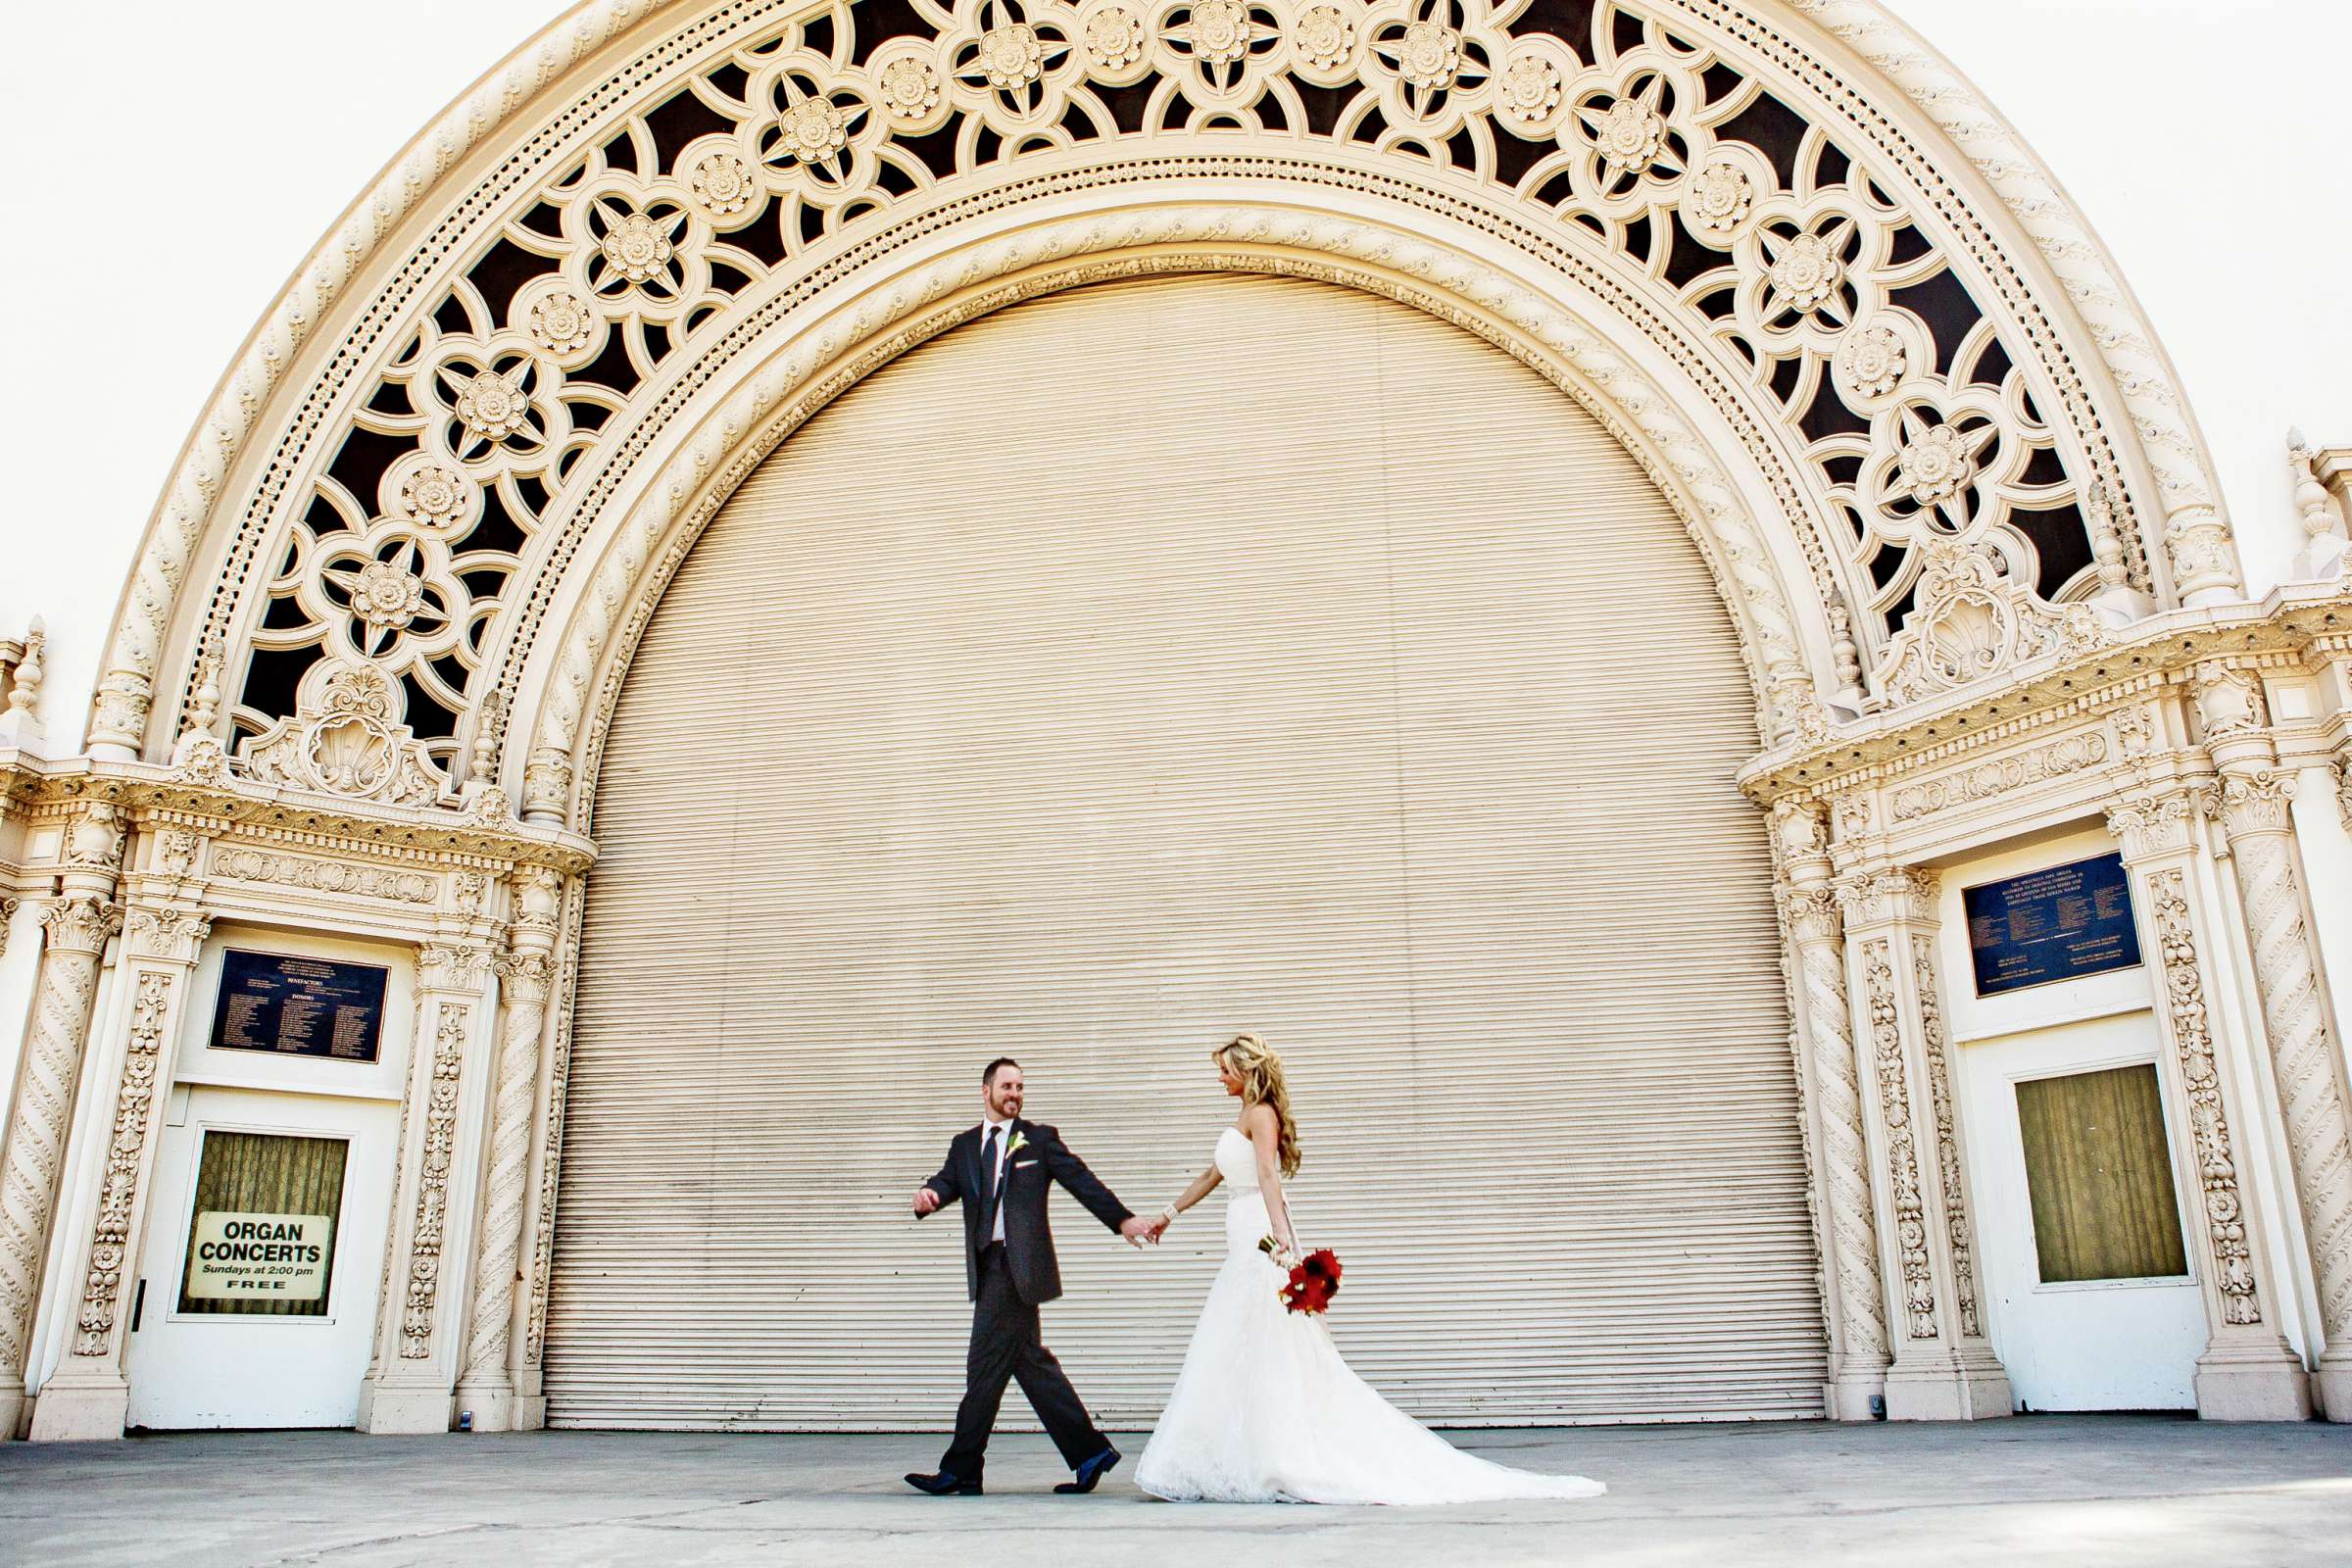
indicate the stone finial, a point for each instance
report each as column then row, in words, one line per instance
column 2323, row 538
column 21, row 724
column 2116, row 600
column 203, row 704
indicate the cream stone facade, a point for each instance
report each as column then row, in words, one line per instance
column 1935, row 465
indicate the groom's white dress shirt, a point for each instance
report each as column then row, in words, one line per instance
column 1001, row 1132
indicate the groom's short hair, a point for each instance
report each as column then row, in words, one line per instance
column 988, row 1074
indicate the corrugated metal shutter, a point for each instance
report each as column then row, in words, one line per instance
column 1130, row 667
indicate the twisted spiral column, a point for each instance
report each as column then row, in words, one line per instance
column 487, row 1386
column 75, row 930
column 2310, row 1076
column 1858, row 1367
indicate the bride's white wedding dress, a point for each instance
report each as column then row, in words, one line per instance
column 1267, row 1412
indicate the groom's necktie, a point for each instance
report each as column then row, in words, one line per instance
column 995, row 1182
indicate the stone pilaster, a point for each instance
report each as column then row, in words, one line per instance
column 487, row 1386
column 409, row 1383
column 1853, row 1294
column 1944, row 1367
column 39, row 1117
column 2247, row 1371
column 89, row 1397
column 547, row 1161
column 2307, row 1066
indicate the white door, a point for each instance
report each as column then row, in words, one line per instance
column 257, row 1289
column 2087, row 1314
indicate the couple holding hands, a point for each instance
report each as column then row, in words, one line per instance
column 1265, row 1409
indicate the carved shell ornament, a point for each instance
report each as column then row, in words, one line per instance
column 491, row 412
column 1973, row 621
column 346, row 740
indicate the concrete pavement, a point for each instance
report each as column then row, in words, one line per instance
column 2039, row 1490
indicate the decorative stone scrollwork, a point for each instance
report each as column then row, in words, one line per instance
column 201, row 761
column 348, row 740
column 79, row 925
column 2134, row 732
column 2209, row 1124
column 169, row 935
column 94, row 839
column 1972, row 619
column 1989, row 779
column 1902, row 1143
column 2256, row 802
column 126, row 1154
column 176, row 851
column 1889, row 893
column 453, row 1020
column 453, row 966
column 469, row 889
column 546, row 783
column 2228, row 702
column 551, row 1144
column 239, row 864
column 1799, row 831
column 1947, row 1136
column 539, row 895
column 2150, row 827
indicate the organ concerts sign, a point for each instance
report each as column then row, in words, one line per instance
column 272, row 1258
column 2059, row 924
column 297, row 1006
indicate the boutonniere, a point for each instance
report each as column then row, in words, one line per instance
column 1020, row 1141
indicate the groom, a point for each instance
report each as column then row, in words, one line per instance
column 1000, row 1169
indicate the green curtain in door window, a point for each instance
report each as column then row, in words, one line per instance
column 2100, row 1176
column 266, row 1173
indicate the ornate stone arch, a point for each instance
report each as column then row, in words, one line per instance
column 1815, row 287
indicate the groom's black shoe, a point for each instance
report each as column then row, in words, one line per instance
column 1092, row 1471
column 944, row 1485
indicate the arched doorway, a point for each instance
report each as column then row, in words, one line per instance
column 1133, row 665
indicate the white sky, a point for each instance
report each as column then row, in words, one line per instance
column 201, row 150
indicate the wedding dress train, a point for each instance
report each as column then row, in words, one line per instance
column 1265, row 1410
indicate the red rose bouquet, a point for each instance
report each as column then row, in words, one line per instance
column 1313, row 1279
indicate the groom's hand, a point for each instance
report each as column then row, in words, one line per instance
column 1137, row 1230
column 926, row 1201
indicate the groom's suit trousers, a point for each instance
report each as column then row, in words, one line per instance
column 1008, row 1345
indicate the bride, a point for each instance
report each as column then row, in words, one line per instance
column 1265, row 1409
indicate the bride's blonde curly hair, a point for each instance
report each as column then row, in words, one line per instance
column 1260, row 1068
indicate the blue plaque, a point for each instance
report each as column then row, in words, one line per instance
column 2060, row 924
column 293, row 1007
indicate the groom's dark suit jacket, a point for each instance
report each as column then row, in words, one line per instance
column 1028, row 1175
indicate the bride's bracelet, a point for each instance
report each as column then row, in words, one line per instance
column 1168, row 1214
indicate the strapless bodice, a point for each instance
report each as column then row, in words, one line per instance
column 1237, row 1162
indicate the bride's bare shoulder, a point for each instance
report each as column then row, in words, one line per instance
column 1255, row 1118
